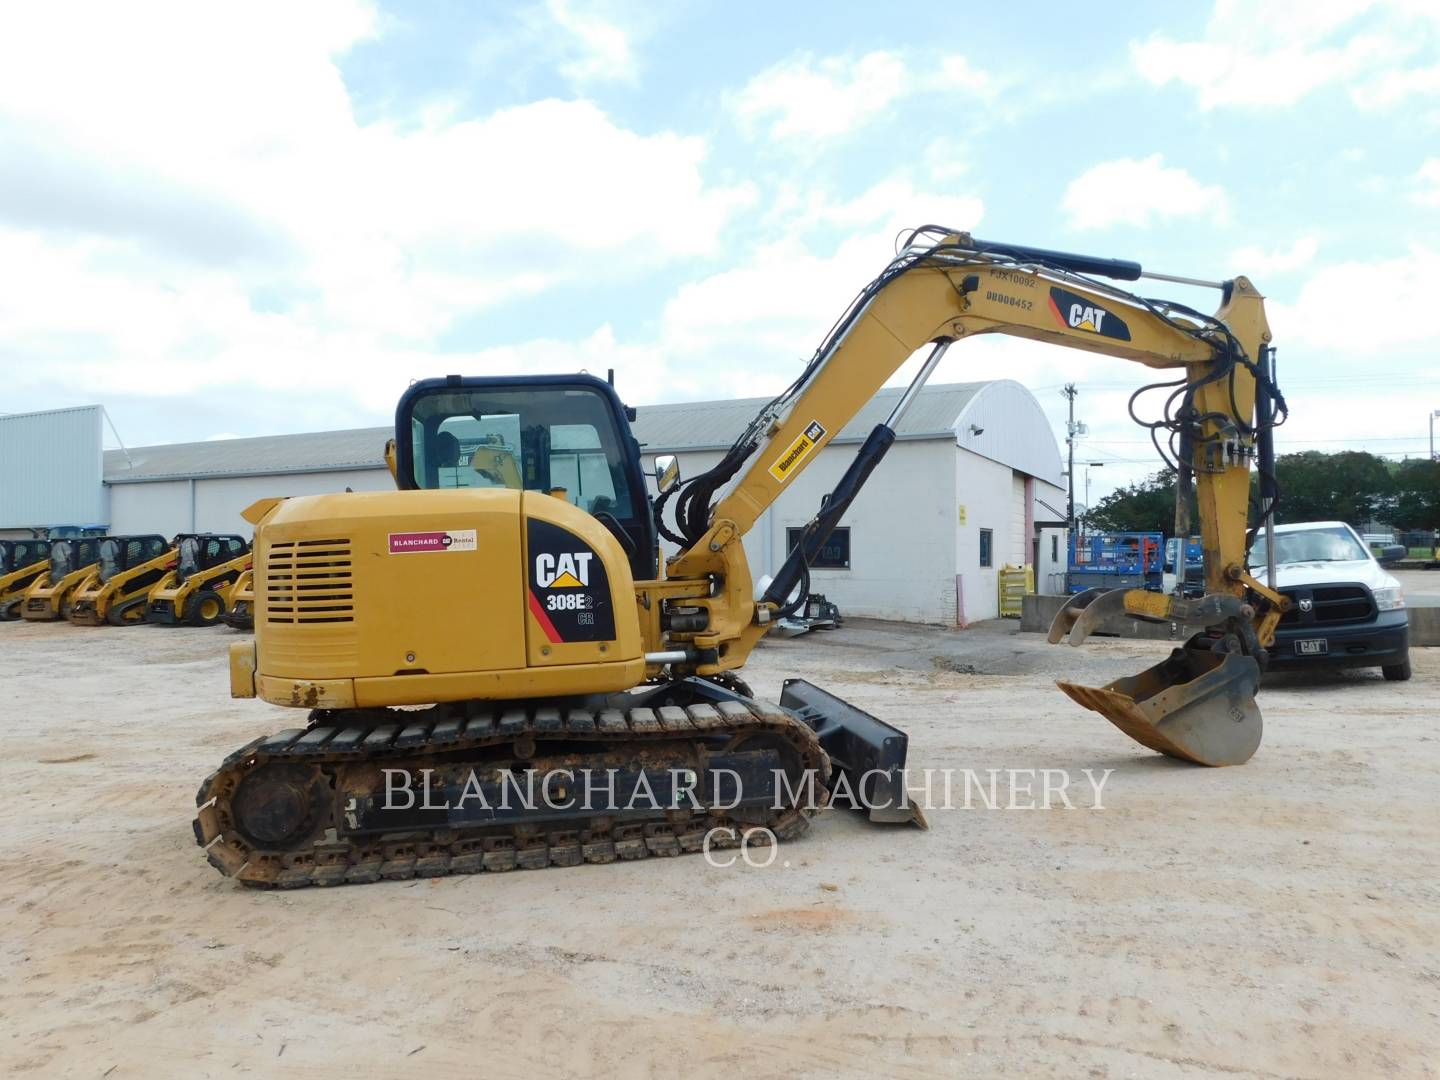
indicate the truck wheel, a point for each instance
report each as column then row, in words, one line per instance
column 1397, row 672
column 205, row 608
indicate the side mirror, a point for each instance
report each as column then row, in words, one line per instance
column 667, row 472
column 1391, row 552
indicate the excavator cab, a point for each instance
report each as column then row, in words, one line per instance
column 565, row 435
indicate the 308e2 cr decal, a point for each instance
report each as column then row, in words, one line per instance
column 569, row 591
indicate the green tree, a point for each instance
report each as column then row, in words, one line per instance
column 1417, row 495
column 1352, row 486
column 1148, row 506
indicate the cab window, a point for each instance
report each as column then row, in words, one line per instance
column 558, row 440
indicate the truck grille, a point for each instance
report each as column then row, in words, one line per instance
column 309, row 581
column 1329, row 605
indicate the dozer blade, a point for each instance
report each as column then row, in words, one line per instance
column 1197, row 705
column 869, row 753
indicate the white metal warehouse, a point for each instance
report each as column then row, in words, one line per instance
column 972, row 483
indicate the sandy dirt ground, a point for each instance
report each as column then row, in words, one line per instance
column 1276, row 920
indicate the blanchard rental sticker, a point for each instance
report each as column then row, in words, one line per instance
column 797, row 451
column 454, row 540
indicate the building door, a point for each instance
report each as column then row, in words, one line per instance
column 1015, row 548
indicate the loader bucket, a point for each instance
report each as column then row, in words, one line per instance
column 869, row 753
column 1197, row 705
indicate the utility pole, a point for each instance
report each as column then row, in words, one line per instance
column 1088, row 466
column 1433, row 415
column 1071, row 430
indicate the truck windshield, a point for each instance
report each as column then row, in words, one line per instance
column 1330, row 544
column 557, row 439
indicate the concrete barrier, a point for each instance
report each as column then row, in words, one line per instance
column 1424, row 625
column 1037, row 612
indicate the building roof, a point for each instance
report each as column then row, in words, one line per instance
column 268, row 455
column 936, row 413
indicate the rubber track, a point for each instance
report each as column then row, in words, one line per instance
column 388, row 736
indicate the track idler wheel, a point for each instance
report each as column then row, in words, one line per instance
column 279, row 806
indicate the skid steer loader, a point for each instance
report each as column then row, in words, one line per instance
column 118, row 588
column 195, row 592
column 479, row 627
column 48, row 597
column 240, row 614
column 21, row 562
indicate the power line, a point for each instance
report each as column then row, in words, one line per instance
column 1287, row 442
column 1314, row 381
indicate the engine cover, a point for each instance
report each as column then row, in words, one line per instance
column 410, row 597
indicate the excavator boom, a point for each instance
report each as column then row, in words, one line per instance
column 940, row 290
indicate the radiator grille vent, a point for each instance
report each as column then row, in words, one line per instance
column 1328, row 605
column 309, row 581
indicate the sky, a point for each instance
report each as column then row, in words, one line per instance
column 260, row 218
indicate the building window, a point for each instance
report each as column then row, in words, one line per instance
column 986, row 544
column 1054, row 547
column 835, row 555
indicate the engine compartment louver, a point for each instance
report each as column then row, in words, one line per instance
column 309, row 581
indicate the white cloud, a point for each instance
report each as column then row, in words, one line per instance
column 187, row 201
column 1395, row 86
column 603, row 48
column 890, row 205
column 1135, row 192
column 808, row 99
column 1256, row 261
column 947, row 159
column 1275, row 53
column 1427, row 181
column 746, row 329
column 805, row 98
column 1323, row 316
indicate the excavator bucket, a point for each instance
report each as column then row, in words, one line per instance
column 1198, row 704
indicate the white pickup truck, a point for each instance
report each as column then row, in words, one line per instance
column 1345, row 610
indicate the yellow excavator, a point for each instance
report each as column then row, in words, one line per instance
column 456, row 639
column 118, row 588
column 21, row 562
